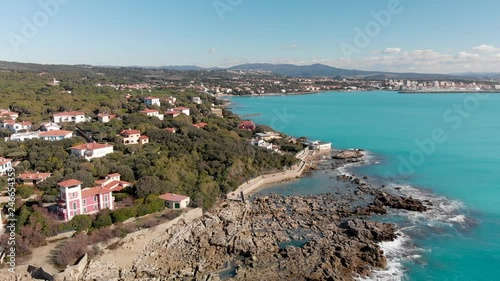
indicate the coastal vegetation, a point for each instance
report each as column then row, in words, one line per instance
column 203, row 163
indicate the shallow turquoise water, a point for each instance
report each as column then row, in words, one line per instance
column 446, row 145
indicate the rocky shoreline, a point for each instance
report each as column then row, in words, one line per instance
column 319, row 237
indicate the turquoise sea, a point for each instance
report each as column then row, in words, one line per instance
column 441, row 147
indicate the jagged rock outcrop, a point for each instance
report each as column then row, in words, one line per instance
column 349, row 154
column 271, row 238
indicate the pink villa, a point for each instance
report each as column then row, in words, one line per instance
column 73, row 200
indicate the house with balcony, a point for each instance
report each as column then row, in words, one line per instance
column 150, row 101
column 16, row 127
column 70, row 117
column 5, row 165
column 90, row 151
column 153, row 113
column 133, row 137
column 32, row 178
column 75, row 200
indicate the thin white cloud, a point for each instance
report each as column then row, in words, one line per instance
column 486, row 49
column 391, row 51
column 212, row 50
column 466, row 55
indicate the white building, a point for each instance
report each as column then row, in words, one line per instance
column 171, row 100
column 153, row 113
column 175, row 201
column 18, row 126
column 92, row 150
column 49, row 126
column 8, row 114
column 105, row 118
column 150, row 101
column 184, row 110
column 55, row 135
column 5, row 165
column 23, row 136
column 268, row 136
column 197, row 100
column 320, row 146
column 133, row 137
column 71, row 117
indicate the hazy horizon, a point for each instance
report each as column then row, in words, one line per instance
column 380, row 35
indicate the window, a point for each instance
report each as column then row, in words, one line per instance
column 105, row 197
column 84, row 201
column 74, row 205
column 85, row 210
column 95, row 198
column 106, row 206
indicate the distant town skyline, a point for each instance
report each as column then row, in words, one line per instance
column 382, row 35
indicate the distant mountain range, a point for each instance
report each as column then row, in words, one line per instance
column 314, row 70
column 321, row 70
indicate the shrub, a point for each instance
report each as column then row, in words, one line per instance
column 70, row 251
column 81, row 222
column 120, row 196
column 24, row 191
column 123, row 214
column 102, row 220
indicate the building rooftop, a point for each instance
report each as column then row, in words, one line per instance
column 91, row 146
column 68, row 183
column 173, row 197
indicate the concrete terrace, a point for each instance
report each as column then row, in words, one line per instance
column 258, row 182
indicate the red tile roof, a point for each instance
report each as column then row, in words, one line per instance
column 173, row 197
column 144, row 138
column 35, row 176
column 87, row 192
column 69, row 113
column 4, row 160
column 150, row 98
column 172, row 130
column 200, row 125
column 55, row 133
column 173, row 112
column 114, row 175
column 91, row 146
column 68, row 183
column 149, row 111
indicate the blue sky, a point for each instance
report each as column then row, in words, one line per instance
column 421, row 35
